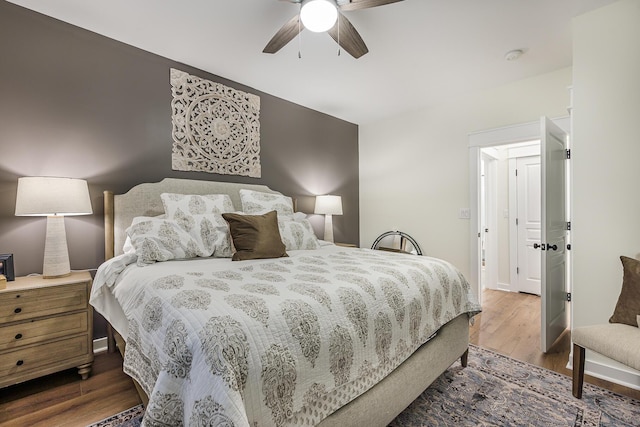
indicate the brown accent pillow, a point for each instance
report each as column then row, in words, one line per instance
column 255, row 236
column 628, row 307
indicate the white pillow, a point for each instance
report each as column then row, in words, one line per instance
column 156, row 239
column 297, row 234
column 128, row 248
column 195, row 204
column 201, row 216
column 213, row 231
column 259, row 203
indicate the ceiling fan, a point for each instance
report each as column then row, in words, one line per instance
column 335, row 23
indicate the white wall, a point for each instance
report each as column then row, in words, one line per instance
column 414, row 169
column 606, row 156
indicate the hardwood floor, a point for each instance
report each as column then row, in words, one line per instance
column 509, row 324
column 63, row 399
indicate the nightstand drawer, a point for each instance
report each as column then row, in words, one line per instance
column 21, row 334
column 26, row 304
column 15, row 363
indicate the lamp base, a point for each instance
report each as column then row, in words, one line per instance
column 56, row 253
column 328, row 228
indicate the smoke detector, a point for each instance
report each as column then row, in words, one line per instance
column 512, row 55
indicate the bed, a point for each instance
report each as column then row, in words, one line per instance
column 330, row 336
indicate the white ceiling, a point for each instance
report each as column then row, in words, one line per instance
column 420, row 51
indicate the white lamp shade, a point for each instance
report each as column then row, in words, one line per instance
column 318, row 15
column 328, row 205
column 54, row 198
column 45, row 196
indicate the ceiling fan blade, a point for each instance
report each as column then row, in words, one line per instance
column 284, row 35
column 363, row 4
column 349, row 39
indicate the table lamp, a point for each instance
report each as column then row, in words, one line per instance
column 328, row 206
column 54, row 198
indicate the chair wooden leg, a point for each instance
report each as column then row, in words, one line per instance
column 464, row 359
column 578, row 370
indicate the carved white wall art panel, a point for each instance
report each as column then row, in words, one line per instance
column 216, row 128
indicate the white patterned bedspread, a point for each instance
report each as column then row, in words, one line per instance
column 277, row 342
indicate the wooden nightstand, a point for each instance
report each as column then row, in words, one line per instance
column 46, row 325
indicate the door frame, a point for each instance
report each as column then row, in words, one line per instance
column 491, row 241
column 484, row 139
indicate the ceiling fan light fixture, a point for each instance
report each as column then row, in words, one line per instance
column 318, row 15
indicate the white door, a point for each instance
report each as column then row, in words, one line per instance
column 553, row 256
column 529, row 216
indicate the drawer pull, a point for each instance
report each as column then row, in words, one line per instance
column 20, row 363
column 18, row 336
column 17, row 310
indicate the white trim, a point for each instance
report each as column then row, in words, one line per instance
column 612, row 371
column 505, row 135
column 513, row 229
column 491, row 241
column 504, row 287
column 474, row 226
column 514, row 133
column 99, row 345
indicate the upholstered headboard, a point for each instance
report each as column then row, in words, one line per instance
column 144, row 200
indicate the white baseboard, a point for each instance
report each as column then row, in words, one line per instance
column 613, row 372
column 504, row 287
column 99, row 345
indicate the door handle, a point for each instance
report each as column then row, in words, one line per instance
column 537, row 245
column 554, row 247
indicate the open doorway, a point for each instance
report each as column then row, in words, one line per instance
column 510, row 217
column 536, row 217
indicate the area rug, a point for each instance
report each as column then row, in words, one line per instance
column 495, row 390
column 129, row 418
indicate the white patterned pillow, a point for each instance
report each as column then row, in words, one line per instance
column 159, row 239
column 178, row 205
column 259, row 203
column 297, row 234
column 201, row 216
column 213, row 231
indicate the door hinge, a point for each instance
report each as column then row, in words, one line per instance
column 516, row 221
column 517, row 270
column 569, row 296
column 516, row 172
column 569, row 225
column 568, row 152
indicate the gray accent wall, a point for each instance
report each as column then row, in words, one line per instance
column 77, row 104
